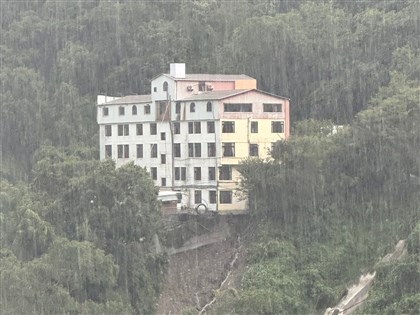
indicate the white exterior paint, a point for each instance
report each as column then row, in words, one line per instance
column 176, row 91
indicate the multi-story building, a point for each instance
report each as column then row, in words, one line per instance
column 192, row 132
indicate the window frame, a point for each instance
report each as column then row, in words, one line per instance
column 275, row 124
column 225, row 148
column 228, row 126
column 223, row 194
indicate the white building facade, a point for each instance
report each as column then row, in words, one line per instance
column 184, row 133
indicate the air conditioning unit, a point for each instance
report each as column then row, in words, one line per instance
column 190, row 88
column 209, row 87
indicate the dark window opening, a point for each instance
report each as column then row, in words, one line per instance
column 210, row 127
column 202, row 86
column 197, row 173
column 139, row 129
column 178, row 108
column 192, row 108
column 225, row 172
column 225, row 197
column 123, row 130
column 228, row 127
column 134, row 110
column 194, row 149
column 153, row 150
column 153, row 129
column 228, row 149
column 165, row 86
column 147, row 109
column 212, row 173
column 108, row 151
column 212, row 196
column 153, row 173
column 163, row 181
column 254, row 126
column 121, row 111
column 123, row 151
column 108, row 130
column 277, row 127
column 209, row 107
column 163, row 158
column 177, row 128
column 272, row 108
column 105, row 111
column 211, row 149
column 162, row 136
column 253, row 150
column 197, row 196
column 239, row 107
column 177, row 150
column 180, row 173
column 139, row 151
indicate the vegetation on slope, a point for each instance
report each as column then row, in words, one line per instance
column 334, row 201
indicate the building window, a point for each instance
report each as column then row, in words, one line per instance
column 180, row 173
column 177, row 107
column 228, row 127
column 162, row 136
column 147, row 109
column 108, row 130
column 194, row 149
column 228, row 149
column 210, row 127
column 123, row 151
column 134, row 110
column 272, row 108
column 197, row 173
column 225, row 196
column 209, row 107
column 177, row 128
column 192, row 108
column 225, row 172
column 254, row 126
column 108, row 151
column 153, row 173
column 212, row 173
column 197, row 196
column 163, row 158
column 139, row 151
column 163, row 181
column 212, row 196
column 105, row 111
column 177, row 150
column 123, row 130
column 194, row 127
column 277, row 126
column 121, row 111
column 153, row 129
column 139, row 129
column 202, row 86
column 153, row 150
column 211, row 149
column 155, row 89
column 165, row 86
column 253, row 150
column 239, row 107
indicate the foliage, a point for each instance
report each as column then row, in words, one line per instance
column 80, row 238
column 329, row 57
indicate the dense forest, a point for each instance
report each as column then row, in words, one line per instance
column 80, row 236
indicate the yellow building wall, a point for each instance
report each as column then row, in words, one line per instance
column 242, row 137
